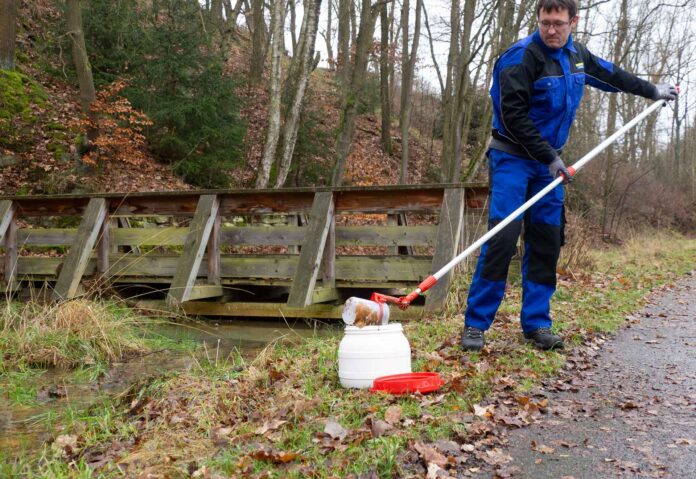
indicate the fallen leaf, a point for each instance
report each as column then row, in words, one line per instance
column 335, row 430
column 270, row 426
column 380, row 428
column 496, row 457
column 429, row 454
column 278, row 457
column 393, row 414
column 484, row 411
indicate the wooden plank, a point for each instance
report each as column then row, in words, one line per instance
column 262, row 235
column 392, row 198
column 324, row 294
column 345, row 235
column 269, row 310
column 81, row 250
column 386, row 235
column 164, row 236
column 201, row 291
column 449, row 231
column 214, row 252
column 305, row 278
column 46, row 236
column 196, row 242
column 352, row 269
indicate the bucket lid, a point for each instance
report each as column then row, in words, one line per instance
column 408, row 383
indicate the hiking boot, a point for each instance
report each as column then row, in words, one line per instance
column 544, row 339
column 472, row 339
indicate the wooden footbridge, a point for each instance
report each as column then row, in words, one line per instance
column 260, row 253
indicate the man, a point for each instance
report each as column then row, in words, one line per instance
column 537, row 86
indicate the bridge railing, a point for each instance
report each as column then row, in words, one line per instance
column 239, row 252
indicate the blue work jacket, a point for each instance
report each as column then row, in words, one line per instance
column 536, row 92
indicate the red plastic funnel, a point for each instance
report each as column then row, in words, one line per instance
column 408, row 383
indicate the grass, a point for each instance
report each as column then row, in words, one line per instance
column 67, row 335
column 210, row 416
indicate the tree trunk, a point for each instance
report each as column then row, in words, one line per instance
column 259, row 41
column 293, row 26
column 298, row 85
column 368, row 18
column 82, row 66
column 273, row 133
column 343, row 40
column 328, row 37
column 408, row 66
column 610, row 165
column 384, row 79
column 8, row 16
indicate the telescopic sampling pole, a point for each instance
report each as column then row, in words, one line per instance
column 404, row 301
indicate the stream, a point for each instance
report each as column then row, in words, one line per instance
column 25, row 421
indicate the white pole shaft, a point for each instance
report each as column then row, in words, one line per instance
column 579, row 164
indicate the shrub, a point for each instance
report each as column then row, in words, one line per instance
column 176, row 79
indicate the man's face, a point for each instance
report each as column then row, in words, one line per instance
column 555, row 27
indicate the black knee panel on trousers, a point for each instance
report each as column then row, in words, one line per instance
column 501, row 249
column 543, row 244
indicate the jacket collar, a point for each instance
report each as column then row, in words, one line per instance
column 536, row 36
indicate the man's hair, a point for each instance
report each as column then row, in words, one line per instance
column 548, row 5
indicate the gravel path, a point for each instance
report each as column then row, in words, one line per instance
column 632, row 414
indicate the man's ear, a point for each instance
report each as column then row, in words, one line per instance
column 575, row 20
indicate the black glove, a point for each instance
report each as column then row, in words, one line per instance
column 665, row 91
column 557, row 167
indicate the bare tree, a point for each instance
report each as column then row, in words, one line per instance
column 328, row 35
column 358, row 72
column 384, row 51
column 408, row 66
column 8, row 16
column 273, row 133
column 343, row 40
column 82, row 65
column 259, row 41
column 298, row 79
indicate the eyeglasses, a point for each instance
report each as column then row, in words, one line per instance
column 556, row 25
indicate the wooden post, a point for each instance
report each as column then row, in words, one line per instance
column 214, row 252
column 194, row 248
column 312, row 251
column 293, row 220
column 104, row 248
column 328, row 261
column 392, row 220
column 8, row 238
column 76, row 262
column 448, row 233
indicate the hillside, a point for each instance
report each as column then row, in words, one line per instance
column 41, row 130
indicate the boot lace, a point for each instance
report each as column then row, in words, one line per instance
column 473, row 333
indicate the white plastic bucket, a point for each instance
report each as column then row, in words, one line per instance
column 370, row 352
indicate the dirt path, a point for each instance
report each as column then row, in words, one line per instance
column 632, row 413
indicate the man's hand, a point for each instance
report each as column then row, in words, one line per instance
column 557, row 167
column 665, row 91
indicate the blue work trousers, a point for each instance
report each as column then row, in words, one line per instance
column 513, row 181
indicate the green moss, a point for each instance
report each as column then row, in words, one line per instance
column 17, row 93
column 54, row 125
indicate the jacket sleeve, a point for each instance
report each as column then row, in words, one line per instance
column 516, row 90
column 606, row 76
